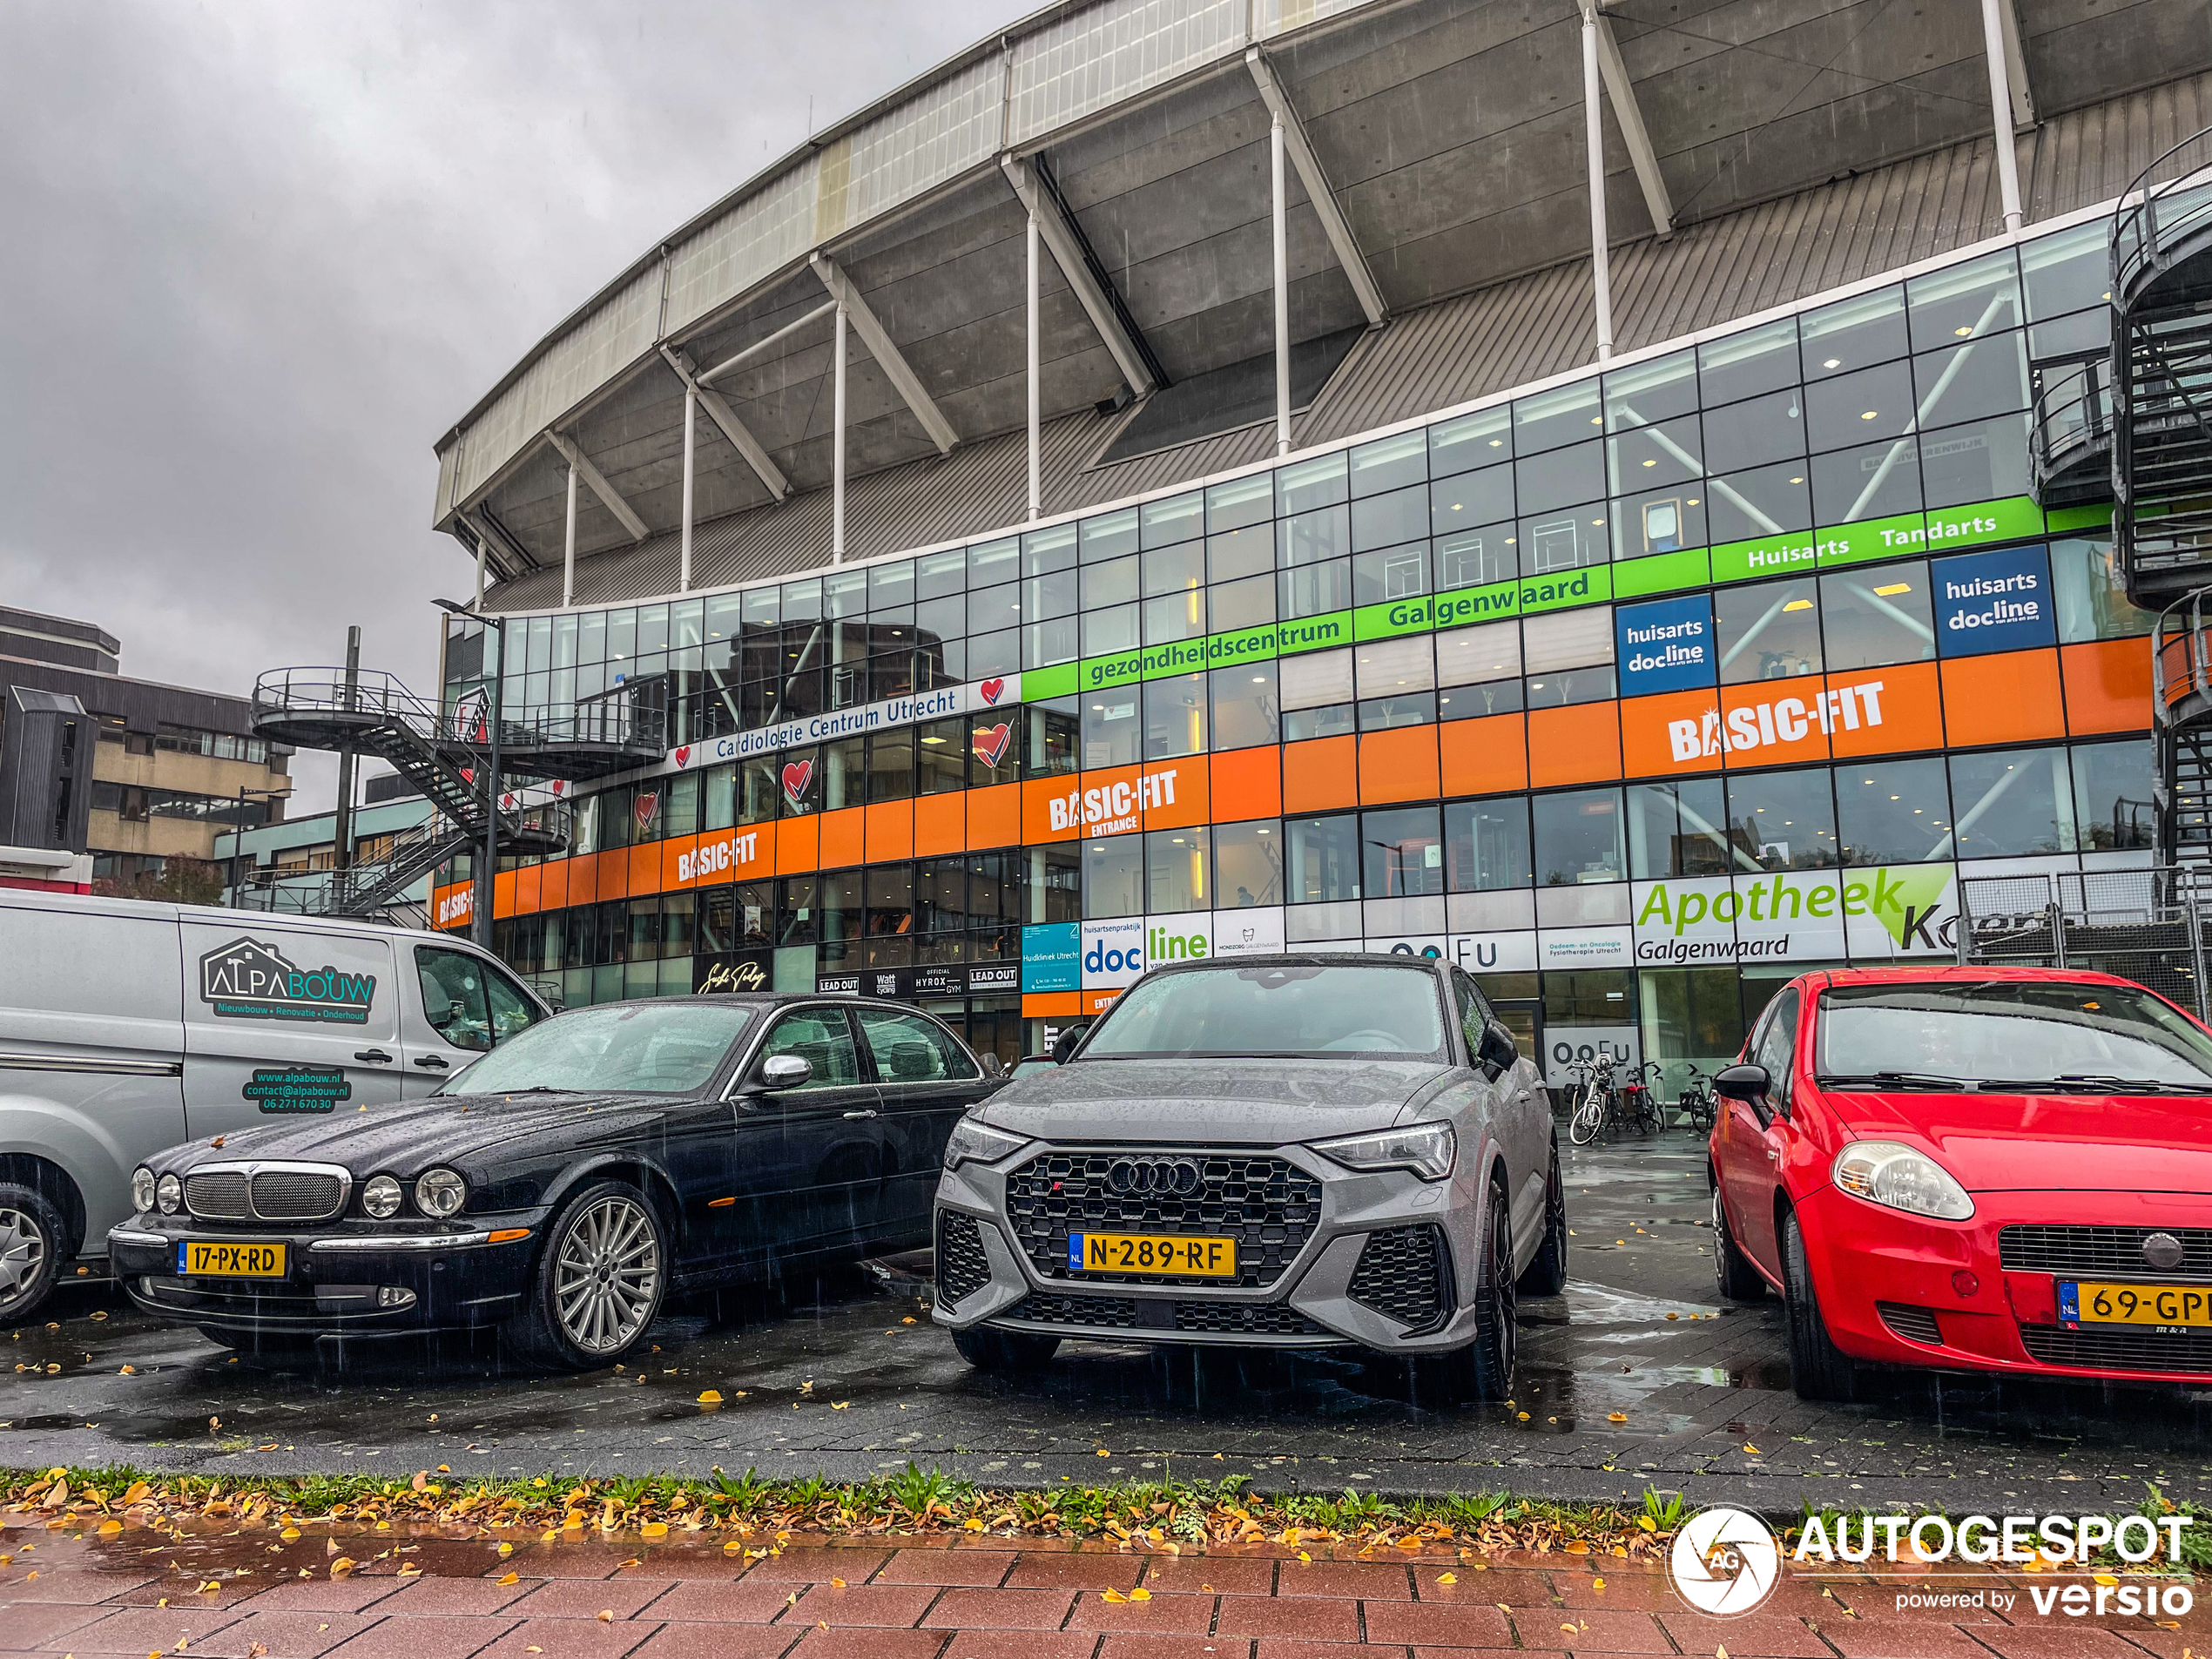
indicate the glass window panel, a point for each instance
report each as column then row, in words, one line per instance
column 1477, row 557
column 564, row 642
column 1112, row 732
column 1390, row 573
column 1745, row 365
column 759, row 793
column 678, row 918
column 990, row 609
column 1564, row 539
column 809, row 759
column 641, row 929
column 1310, row 485
column 683, row 805
column 592, row 638
column 1178, row 865
column 1052, row 885
column 942, row 619
column 1566, row 415
column 2092, row 600
column 890, row 764
column 1245, row 552
column 541, row 643
column 1562, row 686
column 990, row 744
column 1315, row 590
column 1051, row 737
column 1175, row 717
column 1754, row 433
column 1389, row 463
column 760, row 607
column 1245, row 709
column 1487, row 844
column 1335, row 720
column 844, row 779
column 1471, row 441
column 1169, row 570
column 725, row 615
column 1241, row 604
column 1852, row 334
column 1876, row 614
column 939, row 574
column 798, row 915
column 1395, row 667
column 718, row 799
column 1679, row 830
column 802, row 601
column 1964, row 300
column 1651, row 392
column 1386, row 520
column 1048, row 549
column 1853, row 408
column 1770, row 501
column 990, row 563
column 1470, row 498
column 1046, row 642
column 1109, row 534
column 1984, row 460
column 1179, row 518
column 686, row 620
column 1559, row 477
column 1659, row 521
column 1105, row 631
column 841, row 919
column 890, row 586
column 1402, row 851
column 2114, row 810
column 1114, row 877
column 1892, row 811
column 2009, row 805
column 1785, row 820
column 1874, row 481
column 1646, row 457
column 1045, row 596
column 621, row 637
column 1768, row 632
column 1322, row 859
column 1247, row 864
column 941, row 895
column 990, row 654
column 1314, row 679
column 2071, row 271
column 1985, row 376
column 1175, row 615
column 1568, row 639
column 1110, row 583
column 1489, row 651
column 845, row 594
column 1313, row 536
column 1240, row 502
column 1578, row 838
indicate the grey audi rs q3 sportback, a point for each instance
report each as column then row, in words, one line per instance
column 1263, row 1151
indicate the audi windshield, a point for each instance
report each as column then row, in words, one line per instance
column 1359, row 1010
column 2045, row 1037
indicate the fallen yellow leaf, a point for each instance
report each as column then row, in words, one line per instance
column 974, row 1524
column 510, row 1578
column 653, row 1529
column 1616, row 1416
column 1447, row 1578
column 1752, row 1450
column 837, row 1583
column 711, row 1396
column 506, row 1550
column 1598, row 1584
column 1111, row 1596
column 1140, row 1595
column 343, row 1564
column 606, row 1615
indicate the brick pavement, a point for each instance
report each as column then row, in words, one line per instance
column 140, row 1592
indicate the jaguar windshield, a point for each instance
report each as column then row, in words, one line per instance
column 1277, row 1011
column 2044, row 1036
column 634, row 1048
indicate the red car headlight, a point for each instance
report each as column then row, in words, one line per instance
column 1899, row 1177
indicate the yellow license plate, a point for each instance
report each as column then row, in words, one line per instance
column 1151, row 1253
column 2086, row 1302
column 205, row 1258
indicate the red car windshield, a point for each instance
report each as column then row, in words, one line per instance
column 2015, row 1035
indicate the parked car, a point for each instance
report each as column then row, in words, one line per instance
column 567, row 1182
column 1271, row 1151
column 128, row 1027
column 1971, row 1168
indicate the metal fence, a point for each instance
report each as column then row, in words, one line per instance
column 2146, row 925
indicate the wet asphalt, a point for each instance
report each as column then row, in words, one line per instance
column 842, row 1375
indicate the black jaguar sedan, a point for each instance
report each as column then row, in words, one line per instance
column 564, row 1184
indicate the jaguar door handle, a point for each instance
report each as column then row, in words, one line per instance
column 374, row 1057
column 431, row 1061
column 870, row 1112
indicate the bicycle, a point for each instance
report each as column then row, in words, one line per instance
column 1639, row 1105
column 1696, row 1102
column 1596, row 1107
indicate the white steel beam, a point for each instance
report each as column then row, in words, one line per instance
column 887, row 356
column 690, row 446
column 1037, row 399
column 1594, row 163
column 579, row 462
column 837, row 445
column 740, row 437
column 1066, row 252
column 1629, row 114
column 759, row 346
column 1325, row 207
column 1993, row 13
column 513, row 559
column 567, row 554
column 1279, row 210
column 2008, row 18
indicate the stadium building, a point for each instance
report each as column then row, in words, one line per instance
column 1198, row 477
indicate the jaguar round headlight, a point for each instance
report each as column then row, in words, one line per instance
column 168, row 1193
column 142, row 1195
column 440, row 1193
column 381, row 1197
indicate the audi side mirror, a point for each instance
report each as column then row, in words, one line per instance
column 1067, row 1042
column 1742, row 1082
column 785, row 1070
column 993, row 1067
column 1496, row 1052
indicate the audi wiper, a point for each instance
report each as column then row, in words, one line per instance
column 1911, row 1079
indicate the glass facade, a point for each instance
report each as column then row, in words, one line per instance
column 1635, row 694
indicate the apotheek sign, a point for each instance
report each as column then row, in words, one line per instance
column 1796, row 916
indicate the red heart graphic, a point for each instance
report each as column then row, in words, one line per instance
column 797, row 775
column 645, row 806
column 992, row 689
column 683, row 754
column 558, row 786
column 990, row 742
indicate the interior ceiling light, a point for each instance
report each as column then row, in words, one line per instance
column 1890, row 589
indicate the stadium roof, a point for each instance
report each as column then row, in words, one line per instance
column 1772, row 140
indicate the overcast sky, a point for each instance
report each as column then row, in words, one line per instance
column 258, row 256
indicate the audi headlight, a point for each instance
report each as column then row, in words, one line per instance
column 1885, row 1173
column 1425, row 1149
column 168, row 1193
column 440, row 1193
column 381, row 1197
column 142, row 1193
column 974, row 1143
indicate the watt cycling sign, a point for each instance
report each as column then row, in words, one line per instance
column 250, row 979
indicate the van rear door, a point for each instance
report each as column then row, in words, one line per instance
column 285, row 1022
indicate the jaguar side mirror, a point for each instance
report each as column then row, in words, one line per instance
column 1496, row 1052
column 785, row 1070
column 1742, row 1082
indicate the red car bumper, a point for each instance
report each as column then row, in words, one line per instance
column 1897, row 1290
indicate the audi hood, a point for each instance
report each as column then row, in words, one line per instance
column 1247, row 1102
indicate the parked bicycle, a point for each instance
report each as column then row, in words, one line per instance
column 1639, row 1105
column 1695, row 1101
column 1596, row 1106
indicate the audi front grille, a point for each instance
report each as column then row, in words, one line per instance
column 1267, row 1204
column 1405, row 1273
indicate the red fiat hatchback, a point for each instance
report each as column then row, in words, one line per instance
column 1971, row 1168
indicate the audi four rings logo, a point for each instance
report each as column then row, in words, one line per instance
column 1177, row 1176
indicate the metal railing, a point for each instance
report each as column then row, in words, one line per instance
column 2146, row 924
column 2072, row 419
column 2169, row 203
column 327, row 690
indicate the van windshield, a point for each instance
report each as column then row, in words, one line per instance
column 1281, row 1011
column 638, row 1048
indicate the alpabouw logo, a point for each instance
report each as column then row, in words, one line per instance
column 1724, row 1561
column 249, row 979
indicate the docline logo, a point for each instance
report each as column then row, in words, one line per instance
column 248, row 980
column 1724, row 1561
column 1785, row 720
column 1112, row 807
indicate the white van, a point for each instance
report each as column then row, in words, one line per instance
column 126, row 1027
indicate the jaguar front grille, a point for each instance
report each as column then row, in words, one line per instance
column 217, row 1196
column 1267, row 1204
column 299, row 1193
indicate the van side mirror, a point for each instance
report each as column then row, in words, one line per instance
column 1496, row 1052
column 1742, row 1082
column 785, row 1070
